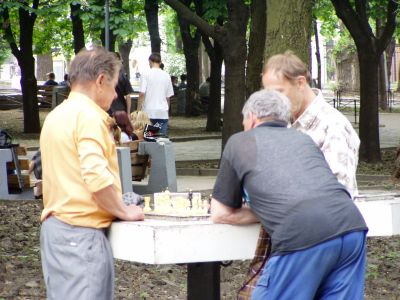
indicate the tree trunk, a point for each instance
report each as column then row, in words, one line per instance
column 77, row 27
column 382, row 87
column 389, row 59
column 289, row 28
column 317, row 53
column 382, row 72
column 27, row 65
column 191, row 52
column 214, row 108
column 235, row 54
column 369, row 50
column 369, row 117
column 178, row 40
column 151, row 10
column 232, row 38
column 124, row 50
column 258, row 14
column 44, row 65
column 190, row 49
column 113, row 39
column 29, row 95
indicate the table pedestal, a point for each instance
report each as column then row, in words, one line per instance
column 203, row 281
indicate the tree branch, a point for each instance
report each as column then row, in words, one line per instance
column 8, row 34
column 192, row 18
column 358, row 28
column 208, row 46
column 390, row 26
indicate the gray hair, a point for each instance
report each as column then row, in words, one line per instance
column 267, row 103
column 89, row 64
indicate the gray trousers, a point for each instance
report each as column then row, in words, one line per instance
column 77, row 262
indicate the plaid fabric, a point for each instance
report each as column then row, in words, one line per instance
column 37, row 169
column 263, row 251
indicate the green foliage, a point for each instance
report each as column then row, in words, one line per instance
column 174, row 63
column 4, row 51
column 171, row 29
column 126, row 22
column 213, row 9
column 53, row 29
column 344, row 45
column 324, row 12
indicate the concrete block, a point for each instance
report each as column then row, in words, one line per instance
column 169, row 242
column 381, row 212
column 5, row 156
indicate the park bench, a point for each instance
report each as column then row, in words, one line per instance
column 162, row 174
column 139, row 163
column 49, row 96
column 45, row 95
column 12, row 170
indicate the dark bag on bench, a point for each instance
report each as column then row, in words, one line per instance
column 5, row 139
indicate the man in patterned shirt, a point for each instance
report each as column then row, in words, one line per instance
column 311, row 114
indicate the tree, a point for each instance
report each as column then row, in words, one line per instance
column 191, row 42
column 54, row 36
column 151, row 10
column 258, row 15
column 27, row 14
column 289, row 28
column 317, row 52
column 369, row 50
column 77, row 26
column 232, row 38
column 4, row 51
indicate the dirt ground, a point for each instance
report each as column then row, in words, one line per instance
column 21, row 275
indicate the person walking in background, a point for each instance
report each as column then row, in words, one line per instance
column 51, row 79
column 318, row 234
column 155, row 92
column 124, row 90
column 81, row 183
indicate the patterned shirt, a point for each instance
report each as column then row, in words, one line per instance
column 336, row 138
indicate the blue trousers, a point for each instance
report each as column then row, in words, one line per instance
column 163, row 123
column 331, row 270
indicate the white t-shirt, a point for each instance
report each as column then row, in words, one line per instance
column 156, row 85
column 125, row 137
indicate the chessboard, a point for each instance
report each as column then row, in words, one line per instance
column 177, row 206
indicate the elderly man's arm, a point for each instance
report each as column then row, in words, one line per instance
column 108, row 199
column 221, row 213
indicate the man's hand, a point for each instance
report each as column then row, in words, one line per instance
column 134, row 213
column 111, row 201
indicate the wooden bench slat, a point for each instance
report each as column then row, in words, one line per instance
column 23, row 164
column 139, row 163
column 13, row 180
column 21, row 150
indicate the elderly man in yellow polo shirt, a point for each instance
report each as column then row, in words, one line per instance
column 81, row 184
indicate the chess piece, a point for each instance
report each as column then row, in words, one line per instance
column 205, row 206
column 147, row 207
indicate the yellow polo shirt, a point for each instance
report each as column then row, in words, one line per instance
column 78, row 158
